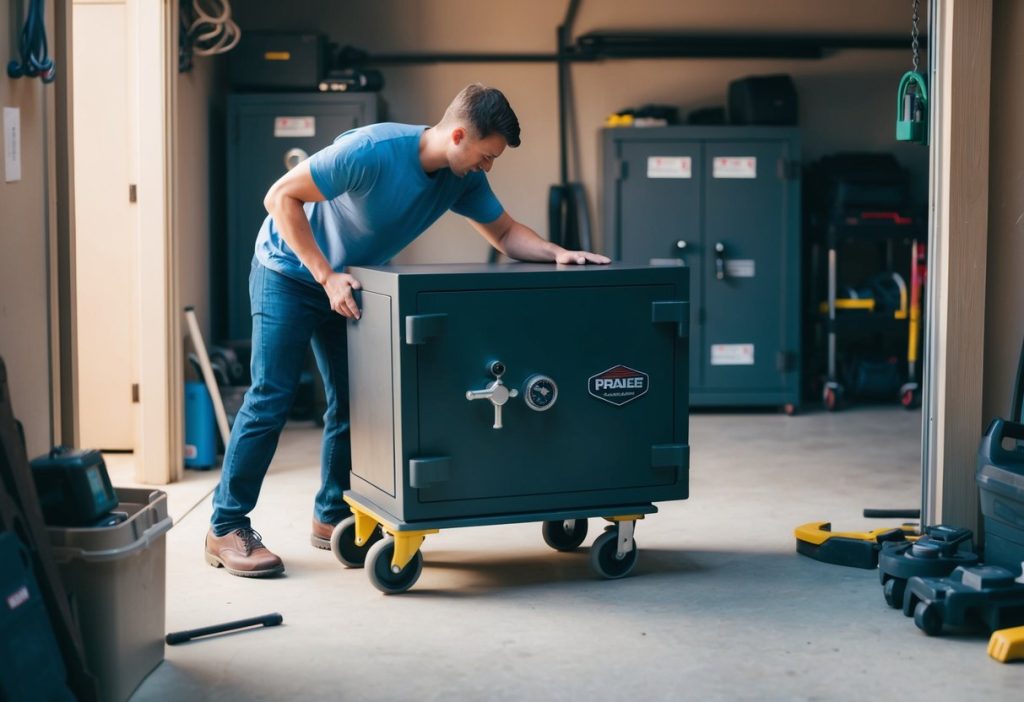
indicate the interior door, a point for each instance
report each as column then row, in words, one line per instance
column 745, row 219
column 106, row 229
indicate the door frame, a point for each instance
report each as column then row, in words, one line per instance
column 959, row 66
column 159, row 426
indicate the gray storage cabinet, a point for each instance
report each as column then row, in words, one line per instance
column 267, row 135
column 725, row 203
column 597, row 356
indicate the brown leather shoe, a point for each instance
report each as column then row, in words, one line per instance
column 242, row 553
column 321, row 536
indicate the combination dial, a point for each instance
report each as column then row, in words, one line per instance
column 540, row 392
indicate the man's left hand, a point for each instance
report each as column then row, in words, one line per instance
column 580, row 258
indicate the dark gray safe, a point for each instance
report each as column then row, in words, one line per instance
column 593, row 368
column 725, row 203
column 267, row 135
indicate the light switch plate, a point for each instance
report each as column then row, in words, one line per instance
column 12, row 144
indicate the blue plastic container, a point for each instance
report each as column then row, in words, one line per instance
column 200, row 439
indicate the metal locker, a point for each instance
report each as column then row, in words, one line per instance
column 267, row 135
column 725, row 203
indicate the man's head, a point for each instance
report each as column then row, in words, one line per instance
column 480, row 124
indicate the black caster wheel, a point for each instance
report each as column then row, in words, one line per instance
column 378, row 567
column 910, row 396
column 343, row 543
column 561, row 539
column 893, row 591
column 832, row 397
column 605, row 560
column 928, row 618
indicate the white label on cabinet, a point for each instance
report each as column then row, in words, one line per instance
column 669, row 167
column 739, row 268
column 732, row 354
column 734, row 167
column 294, row 126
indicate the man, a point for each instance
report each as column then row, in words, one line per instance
column 357, row 202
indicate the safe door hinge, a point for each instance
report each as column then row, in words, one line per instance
column 424, row 472
column 788, row 169
column 785, row 361
column 135, row 393
column 420, row 328
column 673, row 311
column 670, row 461
column 133, row 193
column 621, row 169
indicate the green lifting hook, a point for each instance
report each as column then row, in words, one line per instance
column 912, row 109
column 912, row 99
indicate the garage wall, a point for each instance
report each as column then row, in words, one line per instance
column 199, row 146
column 1004, row 295
column 24, row 302
column 847, row 100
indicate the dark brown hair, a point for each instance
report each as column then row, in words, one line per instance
column 487, row 111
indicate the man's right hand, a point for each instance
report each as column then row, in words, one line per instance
column 339, row 287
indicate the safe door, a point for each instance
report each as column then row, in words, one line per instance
column 533, row 393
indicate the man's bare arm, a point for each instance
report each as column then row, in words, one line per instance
column 518, row 241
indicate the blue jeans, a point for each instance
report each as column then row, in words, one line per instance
column 286, row 315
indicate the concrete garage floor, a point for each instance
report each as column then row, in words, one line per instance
column 719, row 606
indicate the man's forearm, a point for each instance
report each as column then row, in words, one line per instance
column 294, row 227
column 523, row 244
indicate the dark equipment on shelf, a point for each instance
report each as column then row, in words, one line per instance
column 277, row 61
column 707, row 116
column 352, row 80
column 763, row 100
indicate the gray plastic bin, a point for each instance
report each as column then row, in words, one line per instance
column 116, row 579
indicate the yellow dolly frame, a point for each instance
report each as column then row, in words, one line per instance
column 390, row 548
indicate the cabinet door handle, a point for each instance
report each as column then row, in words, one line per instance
column 720, row 261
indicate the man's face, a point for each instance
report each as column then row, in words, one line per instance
column 467, row 154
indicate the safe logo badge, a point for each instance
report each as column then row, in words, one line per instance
column 618, row 385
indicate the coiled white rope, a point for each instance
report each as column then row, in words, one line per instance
column 213, row 31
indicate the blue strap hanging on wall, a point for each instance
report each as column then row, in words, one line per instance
column 35, row 61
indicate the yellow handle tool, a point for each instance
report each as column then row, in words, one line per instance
column 1007, row 644
column 857, row 549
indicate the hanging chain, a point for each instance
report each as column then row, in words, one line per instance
column 914, row 33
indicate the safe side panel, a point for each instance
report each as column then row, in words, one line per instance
column 582, row 443
column 371, row 392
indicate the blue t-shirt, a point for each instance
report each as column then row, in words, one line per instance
column 378, row 200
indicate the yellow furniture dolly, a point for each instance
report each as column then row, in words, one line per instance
column 390, row 548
